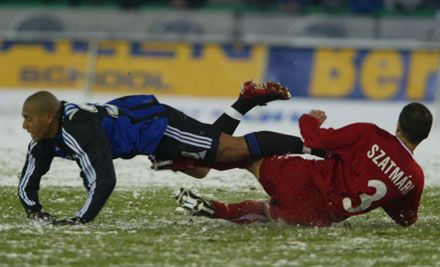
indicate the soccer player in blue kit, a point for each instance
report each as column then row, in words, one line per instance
column 93, row 135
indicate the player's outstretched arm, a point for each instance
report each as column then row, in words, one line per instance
column 92, row 149
column 38, row 160
column 328, row 138
column 405, row 211
column 400, row 216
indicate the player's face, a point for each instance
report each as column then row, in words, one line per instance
column 37, row 124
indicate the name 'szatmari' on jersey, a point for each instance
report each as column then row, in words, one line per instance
column 390, row 169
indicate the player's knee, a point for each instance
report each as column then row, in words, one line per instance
column 203, row 173
column 231, row 149
column 198, row 173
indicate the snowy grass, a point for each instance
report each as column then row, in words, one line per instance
column 142, row 227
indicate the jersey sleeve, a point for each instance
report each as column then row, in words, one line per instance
column 38, row 160
column 329, row 138
column 404, row 211
column 90, row 144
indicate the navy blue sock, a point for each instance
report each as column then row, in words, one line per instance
column 226, row 124
column 262, row 144
column 243, row 105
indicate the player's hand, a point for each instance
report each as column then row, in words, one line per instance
column 67, row 221
column 41, row 216
column 319, row 114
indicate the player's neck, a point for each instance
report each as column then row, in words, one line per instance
column 55, row 126
column 411, row 147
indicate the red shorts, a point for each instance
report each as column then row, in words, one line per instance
column 295, row 199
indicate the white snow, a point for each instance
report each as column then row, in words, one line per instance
column 136, row 173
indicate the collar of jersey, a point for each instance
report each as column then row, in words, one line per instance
column 407, row 149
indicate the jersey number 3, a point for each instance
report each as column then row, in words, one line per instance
column 366, row 200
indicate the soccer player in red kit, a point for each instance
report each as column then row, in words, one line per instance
column 368, row 168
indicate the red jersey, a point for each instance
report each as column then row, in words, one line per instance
column 371, row 168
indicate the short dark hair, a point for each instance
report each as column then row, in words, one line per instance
column 415, row 122
column 44, row 101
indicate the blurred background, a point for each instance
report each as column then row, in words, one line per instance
column 366, row 50
column 358, row 60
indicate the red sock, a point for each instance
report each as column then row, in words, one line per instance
column 244, row 212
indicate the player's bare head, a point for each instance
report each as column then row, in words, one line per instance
column 415, row 121
column 40, row 115
column 42, row 102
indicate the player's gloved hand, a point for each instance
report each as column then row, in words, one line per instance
column 41, row 216
column 68, row 221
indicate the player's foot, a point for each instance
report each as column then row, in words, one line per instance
column 263, row 93
column 198, row 206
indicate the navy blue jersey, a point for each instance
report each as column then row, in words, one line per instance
column 93, row 135
column 136, row 126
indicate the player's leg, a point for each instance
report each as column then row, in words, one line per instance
column 295, row 198
column 258, row 145
column 254, row 168
column 247, row 211
column 244, row 212
column 251, row 95
column 186, row 137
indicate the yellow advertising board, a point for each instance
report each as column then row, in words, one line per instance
column 132, row 67
column 217, row 70
column 41, row 65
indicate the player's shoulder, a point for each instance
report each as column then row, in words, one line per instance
column 373, row 128
column 80, row 121
column 364, row 126
column 417, row 169
column 79, row 113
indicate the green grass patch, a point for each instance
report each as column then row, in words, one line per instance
column 141, row 227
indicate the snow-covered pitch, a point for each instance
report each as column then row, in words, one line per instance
column 135, row 173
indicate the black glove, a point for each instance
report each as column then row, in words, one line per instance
column 68, row 221
column 41, row 216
